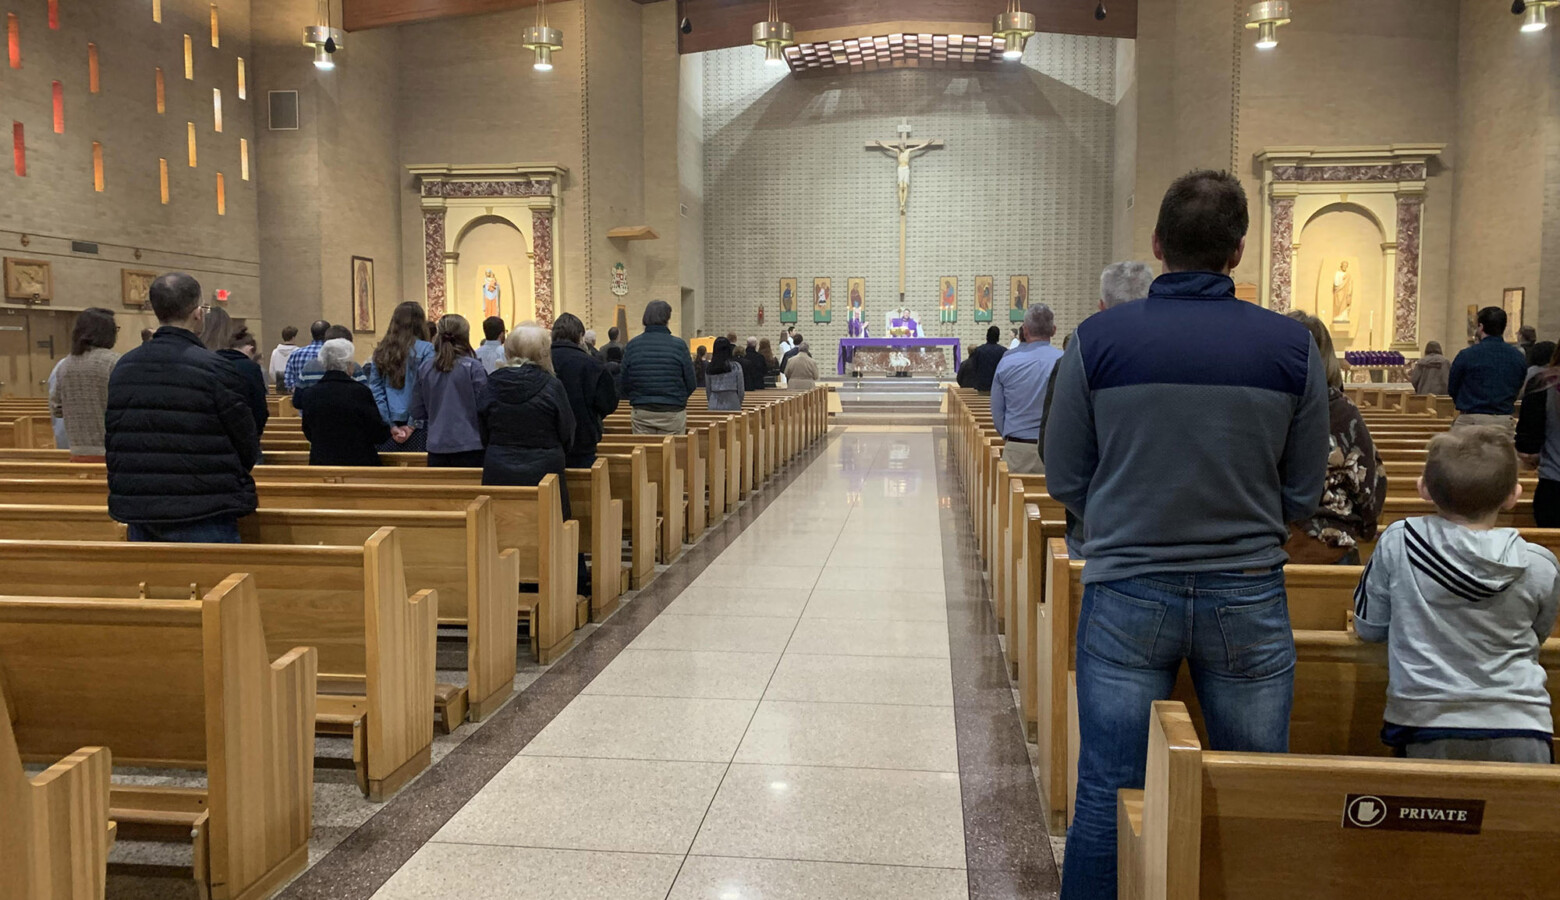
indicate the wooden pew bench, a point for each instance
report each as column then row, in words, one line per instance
column 177, row 684
column 375, row 643
column 1297, row 827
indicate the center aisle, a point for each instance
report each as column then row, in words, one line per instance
column 784, row 729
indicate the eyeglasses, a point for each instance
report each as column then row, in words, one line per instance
column 206, row 307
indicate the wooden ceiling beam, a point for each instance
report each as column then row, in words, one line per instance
column 359, row 15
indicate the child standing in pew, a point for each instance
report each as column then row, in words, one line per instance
column 1463, row 607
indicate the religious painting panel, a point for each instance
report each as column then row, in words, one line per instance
column 1018, row 297
column 362, row 294
column 948, row 299
column 1473, row 323
column 1511, row 300
column 823, row 306
column 135, row 288
column 788, row 300
column 984, row 289
column 29, row 279
column 856, row 294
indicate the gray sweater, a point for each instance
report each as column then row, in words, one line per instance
column 1463, row 614
column 80, row 397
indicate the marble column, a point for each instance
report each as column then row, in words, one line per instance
column 542, row 264
column 1410, row 213
column 1282, row 252
column 433, row 255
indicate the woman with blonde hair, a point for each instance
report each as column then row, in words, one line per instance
column 450, row 385
column 392, row 377
column 526, row 420
column 224, row 337
column 1356, row 482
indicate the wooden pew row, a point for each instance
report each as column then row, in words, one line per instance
column 1340, row 684
column 528, row 520
column 660, row 452
column 182, row 684
column 1305, row 827
column 452, row 553
column 375, row 642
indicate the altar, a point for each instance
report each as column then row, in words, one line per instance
column 874, row 356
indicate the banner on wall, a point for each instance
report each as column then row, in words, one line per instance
column 1018, row 302
column 984, row 290
column 948, row 302
column 856, row 298
column 823, row 306
column 787, row 300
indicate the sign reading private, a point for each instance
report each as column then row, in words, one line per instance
column 1380, row 812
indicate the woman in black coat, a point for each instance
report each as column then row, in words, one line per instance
column 591, row 391
column 340, row 418
column 526, row 421
column 233, row 342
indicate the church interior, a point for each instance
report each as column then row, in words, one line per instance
column 827, row 650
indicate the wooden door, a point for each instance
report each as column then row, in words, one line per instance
column 15, row 364
column 48, row 334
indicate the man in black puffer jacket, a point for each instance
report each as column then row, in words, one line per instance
column 180, row 438
column 592, row 393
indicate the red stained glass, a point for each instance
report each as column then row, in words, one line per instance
column 19, row 148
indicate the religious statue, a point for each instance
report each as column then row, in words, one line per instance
column 490, row 294
column 1343, row 293
column 904, row 151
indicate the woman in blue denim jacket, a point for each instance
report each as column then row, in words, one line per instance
column 392, row 376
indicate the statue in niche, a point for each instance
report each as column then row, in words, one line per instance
column 490, row 294
column 1343, row 293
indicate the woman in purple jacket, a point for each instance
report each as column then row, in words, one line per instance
column 450, row 385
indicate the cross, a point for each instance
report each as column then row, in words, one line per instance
column 903, row 152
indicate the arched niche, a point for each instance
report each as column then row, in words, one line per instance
column 1343, row 273
column 492, row 246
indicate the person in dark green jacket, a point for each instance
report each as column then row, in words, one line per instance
column 657, row 375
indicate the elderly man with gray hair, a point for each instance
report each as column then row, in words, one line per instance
column 1018, row 391
column 340, row 418
column 1124, row 282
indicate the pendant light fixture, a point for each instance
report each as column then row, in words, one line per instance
column 1014, row 27
column 324, row 38
column 774, row 36
column 542, row 39
column 1534, row 13
column 1265, row 17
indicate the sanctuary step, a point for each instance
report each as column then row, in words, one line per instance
column 890, row 401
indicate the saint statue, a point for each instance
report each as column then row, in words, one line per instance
column 490, row 294
column 1343, row 293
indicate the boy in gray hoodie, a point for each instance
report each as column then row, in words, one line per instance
column 1463, row 607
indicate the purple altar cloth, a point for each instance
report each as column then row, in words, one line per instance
column 849, row 346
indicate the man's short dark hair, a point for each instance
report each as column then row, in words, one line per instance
column 318, row 329
column 1470, row 472
column 612, row 333
column 493, row 328
column 568, row 327
column 288, row 333
column 1527, row 333
column 1493, row 320
column 614, row 353
column 146, row 334
column 657, row 312
column 174, row 297
column 1202, row 221
column 993, row 334
column 338, row 331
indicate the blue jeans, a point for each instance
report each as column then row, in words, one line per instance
column 1232, row 629
column 208, row 531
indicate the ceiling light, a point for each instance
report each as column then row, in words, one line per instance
column 325, row 39
column 1535, row 14
column 1014, row 27
column 542, row 39
column 774, row 36
column 1265, row 17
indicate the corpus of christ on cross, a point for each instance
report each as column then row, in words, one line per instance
column 904, row 152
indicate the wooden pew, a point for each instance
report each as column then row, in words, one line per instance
column 667, row 476
column 187, row 684
column 375, row 643
column 1305, row 827
column 703, row 467
column 630, row 476
column 453, row 553
column 54, row 827
column 529, row 520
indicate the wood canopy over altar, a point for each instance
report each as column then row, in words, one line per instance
column 1341, row 238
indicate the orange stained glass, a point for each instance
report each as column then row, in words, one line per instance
column 94, row 84
column 19, row 148
column 221, row 195
column 59, row 108
column 216, row 41
column 157, row 11
column 192, row 143
column 97, row 166
column 162, row 93
column 243, row 158
column 54, row 14
column 13, row 39
column 189, row 59
column 243, row 87
column 216, row 108
column 162, row 176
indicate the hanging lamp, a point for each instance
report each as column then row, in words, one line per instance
column 1265, row 18
column 1534, row 13
column 774, row 36
column 1014, row 27
column 542, row 39
column 324, row 38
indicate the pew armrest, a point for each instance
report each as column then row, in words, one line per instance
column 1129, row 845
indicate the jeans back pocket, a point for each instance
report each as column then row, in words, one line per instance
column 1258, row 641
column 1120, row 628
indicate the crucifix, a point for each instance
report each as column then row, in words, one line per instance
column 904, row 151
